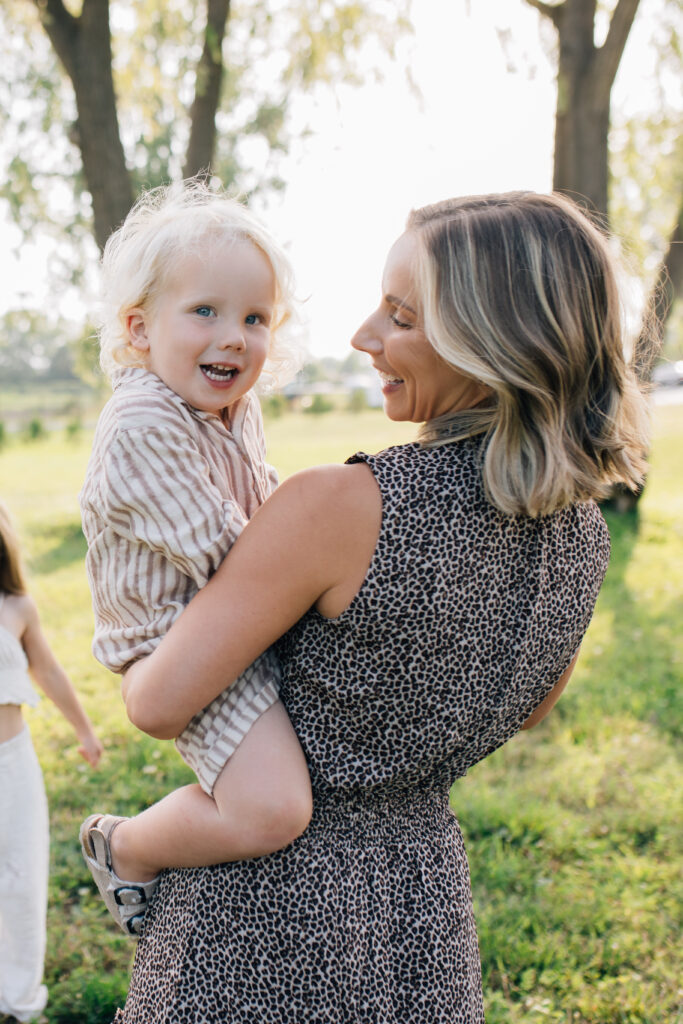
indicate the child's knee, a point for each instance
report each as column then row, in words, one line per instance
column 282, row 816
column 272, row 808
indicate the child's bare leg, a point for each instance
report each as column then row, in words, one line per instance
column 261, row 803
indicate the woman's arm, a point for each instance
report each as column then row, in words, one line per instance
column 310, row 544
column 551, row 700
column 54, row 682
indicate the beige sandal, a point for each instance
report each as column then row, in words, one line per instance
column 125, row 901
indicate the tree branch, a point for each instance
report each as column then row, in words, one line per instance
column 608, row 56
column 62, row 29
column 209, row 77
column 552, row 11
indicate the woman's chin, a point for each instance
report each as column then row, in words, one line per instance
column 395, row 414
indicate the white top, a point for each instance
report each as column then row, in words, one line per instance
column 15, row 685
column 168, row 490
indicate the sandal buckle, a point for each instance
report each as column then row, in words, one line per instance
column 130, row 895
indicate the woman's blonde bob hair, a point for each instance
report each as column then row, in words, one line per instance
column 519, row 291
column 12, row 576
column 166, row 225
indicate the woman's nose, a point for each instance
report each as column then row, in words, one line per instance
column 366, row 340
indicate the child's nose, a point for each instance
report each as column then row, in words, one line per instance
column 233, row 338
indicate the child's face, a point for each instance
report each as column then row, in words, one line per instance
column 208, row 331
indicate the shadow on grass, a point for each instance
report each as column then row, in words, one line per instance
column 642, row 654
column 61, row 545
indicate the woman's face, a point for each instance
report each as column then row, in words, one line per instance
column 416, row 382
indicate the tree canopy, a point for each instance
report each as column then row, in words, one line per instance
column 119, row 96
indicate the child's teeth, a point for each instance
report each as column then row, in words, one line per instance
column 219, row 372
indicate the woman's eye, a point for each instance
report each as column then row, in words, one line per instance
column 400, row 323
column 205, row 311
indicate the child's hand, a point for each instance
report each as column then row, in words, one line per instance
column 90, row 749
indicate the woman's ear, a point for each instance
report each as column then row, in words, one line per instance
column 136, row 329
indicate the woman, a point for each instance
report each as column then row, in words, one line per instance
column 429, row 602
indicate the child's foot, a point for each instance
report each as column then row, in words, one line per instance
column 125, row 901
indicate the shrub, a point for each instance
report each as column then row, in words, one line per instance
column 319, row 405
column 74, row 429
column 358, row 401
column 273, row 406
column 35, row 429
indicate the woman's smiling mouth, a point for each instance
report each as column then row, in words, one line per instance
column 388, row 380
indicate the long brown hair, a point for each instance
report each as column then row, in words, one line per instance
column 520, row 291
column 12, row 577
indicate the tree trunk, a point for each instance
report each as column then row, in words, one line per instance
column 207, row 94
column 668, row 285
column 581, row 119
column 585, row 77
column 83, row 45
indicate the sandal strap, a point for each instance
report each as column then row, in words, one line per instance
column 100, row 834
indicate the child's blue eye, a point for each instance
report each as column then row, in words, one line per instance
column 204, row 311
column 253, row 318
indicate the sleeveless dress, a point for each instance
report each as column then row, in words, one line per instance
column 465, row 621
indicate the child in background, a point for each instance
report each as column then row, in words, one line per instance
column 24, row 827
column 195, row 294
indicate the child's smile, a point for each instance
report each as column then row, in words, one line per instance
column 207, row 334
column 220, row 374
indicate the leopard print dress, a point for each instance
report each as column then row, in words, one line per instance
column 464, row 622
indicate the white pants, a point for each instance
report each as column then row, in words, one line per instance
column 24, row 865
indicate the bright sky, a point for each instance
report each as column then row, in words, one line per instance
column 380, row 150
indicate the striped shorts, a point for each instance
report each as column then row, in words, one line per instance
column 211, row 738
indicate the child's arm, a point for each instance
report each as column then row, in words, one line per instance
column 54, row 682
column 160, row 495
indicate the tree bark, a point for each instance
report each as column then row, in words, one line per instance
column 202, row 142
column 83, row 44
column 585, row 77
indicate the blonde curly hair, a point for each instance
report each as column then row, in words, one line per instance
column 165, row 225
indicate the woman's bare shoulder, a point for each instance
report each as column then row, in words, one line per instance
column 342, row 496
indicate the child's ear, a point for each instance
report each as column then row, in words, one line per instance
column 136, row 329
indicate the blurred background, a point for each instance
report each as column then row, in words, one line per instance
column 333, row 119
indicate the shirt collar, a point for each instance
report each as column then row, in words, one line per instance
column 145, row 378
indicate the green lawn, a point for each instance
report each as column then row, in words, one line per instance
column 571, row 829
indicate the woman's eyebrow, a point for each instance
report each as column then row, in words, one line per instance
column 393, row 300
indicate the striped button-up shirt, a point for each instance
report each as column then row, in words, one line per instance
column 168, row 490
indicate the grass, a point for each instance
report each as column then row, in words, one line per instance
column 572, row 829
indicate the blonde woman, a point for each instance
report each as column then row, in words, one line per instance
column 427, row 603
column 24, row 837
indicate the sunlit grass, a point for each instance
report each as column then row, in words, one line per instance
column 572, row 829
